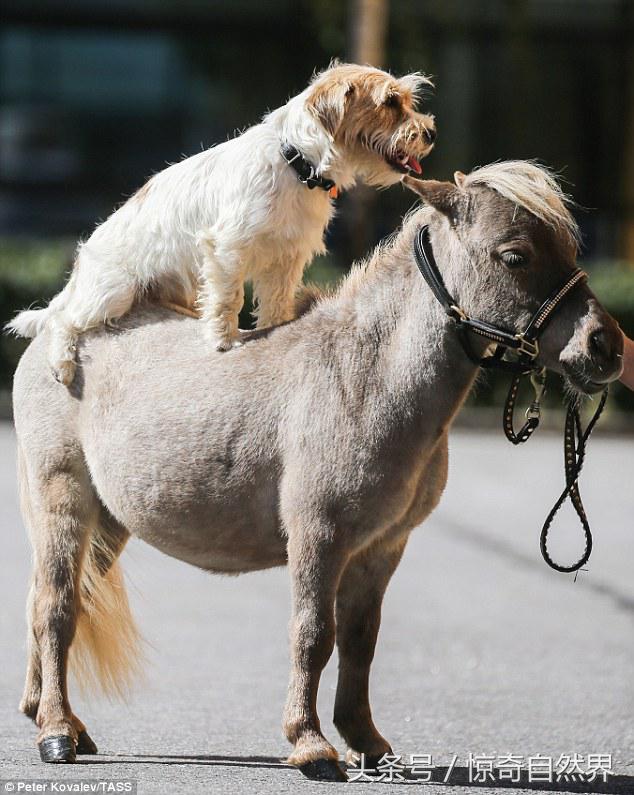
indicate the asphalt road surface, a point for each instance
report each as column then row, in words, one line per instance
column 483, row 650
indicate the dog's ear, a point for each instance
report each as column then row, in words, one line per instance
column 415, row 84
column 443, row 196
column 327, row 102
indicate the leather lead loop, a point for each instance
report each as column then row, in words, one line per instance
column 533, row 413
column 575, row 441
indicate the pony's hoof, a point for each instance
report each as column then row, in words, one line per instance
column 324, row 770
column 85, row 743
column 372, row 762
column 57, row 749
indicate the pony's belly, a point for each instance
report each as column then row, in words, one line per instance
column 195, row 512
column 217, row 551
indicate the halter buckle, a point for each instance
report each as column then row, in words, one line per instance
column 527, row 347
column 457, row 313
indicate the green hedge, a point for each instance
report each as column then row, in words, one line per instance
column 613, row 284
column 31, row 272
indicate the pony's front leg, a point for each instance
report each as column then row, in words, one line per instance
column 315, row 563
column 358, row 613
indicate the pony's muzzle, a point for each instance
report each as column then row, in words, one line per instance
column 597, row 359
column 606, row 347
column 605, row 350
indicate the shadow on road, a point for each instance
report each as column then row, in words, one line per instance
column 458, row 776
column 189, row 759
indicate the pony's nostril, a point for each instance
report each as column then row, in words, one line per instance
column 600, row 344
column 430, row 134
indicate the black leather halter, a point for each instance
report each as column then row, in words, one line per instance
column 304, row 169
column 525, row 344
column 525, row 347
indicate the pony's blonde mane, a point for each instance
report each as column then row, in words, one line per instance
column 531, row 186
column 525, row 183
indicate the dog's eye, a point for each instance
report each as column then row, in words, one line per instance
column 514, row 259
column 392, row 101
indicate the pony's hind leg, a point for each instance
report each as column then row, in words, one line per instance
column 358, row 615
column 62, row 508
column 33, row 685
column 112, row 539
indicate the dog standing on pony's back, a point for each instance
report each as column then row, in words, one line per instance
column 241, row 210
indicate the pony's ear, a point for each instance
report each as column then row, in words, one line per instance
column 443, row 196
column 327, row 102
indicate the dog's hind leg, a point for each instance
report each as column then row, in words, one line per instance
column 94, row 297
column 62, row 348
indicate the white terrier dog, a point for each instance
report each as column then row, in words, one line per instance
column 255, row 207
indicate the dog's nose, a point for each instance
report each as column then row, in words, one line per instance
column 429, row 134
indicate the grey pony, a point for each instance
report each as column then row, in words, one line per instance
column 320, row 444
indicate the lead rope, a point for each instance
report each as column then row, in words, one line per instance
column 574, row 454
column 538, row 380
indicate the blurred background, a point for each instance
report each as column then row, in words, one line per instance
column 96, row 95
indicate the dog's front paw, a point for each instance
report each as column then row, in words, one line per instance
column 64, row 371
column 227, row 343
column 222, row 336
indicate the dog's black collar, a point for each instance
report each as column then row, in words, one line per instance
column 304, row 169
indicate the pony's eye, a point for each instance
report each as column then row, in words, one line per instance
column 513, row 259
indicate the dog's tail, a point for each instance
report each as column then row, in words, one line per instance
column 106, row 652
column 31, row 322
column 28, row 323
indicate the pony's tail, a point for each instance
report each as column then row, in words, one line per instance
column 31, row 322
column 106, row 652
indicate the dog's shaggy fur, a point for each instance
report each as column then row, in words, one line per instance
column 201, row 227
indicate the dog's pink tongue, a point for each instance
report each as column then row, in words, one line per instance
column 414, row 165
